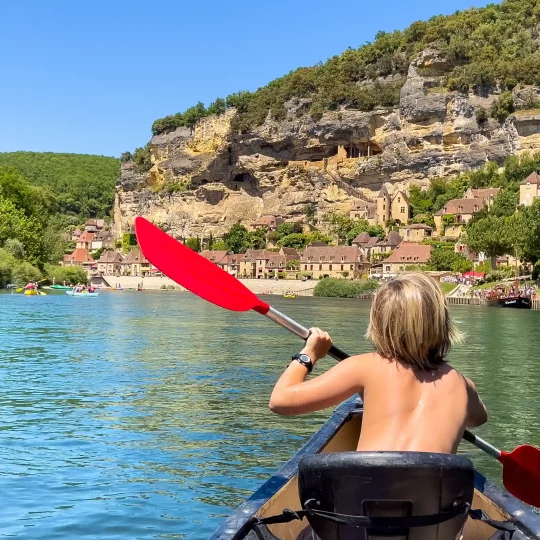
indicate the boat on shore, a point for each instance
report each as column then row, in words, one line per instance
column 289, row 296
column 83, row 293
column 340, row 486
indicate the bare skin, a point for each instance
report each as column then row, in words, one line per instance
column 404, row 409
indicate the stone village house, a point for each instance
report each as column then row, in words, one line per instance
column 271, row 222
column 416, row 232
column 333, row 261
column 110, row 263
column 136, row 264
column 529, row 189
column 407, row 254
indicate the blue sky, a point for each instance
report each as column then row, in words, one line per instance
column 91, row 77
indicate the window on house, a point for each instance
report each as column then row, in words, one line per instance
column 330, row 267
column 402, row 209
column 384, row 206
column 399, row 199
column 305, row 266
column 320, row 266
column 388, row 268
column 311, row 267
column 352, row 266
column 341, row 267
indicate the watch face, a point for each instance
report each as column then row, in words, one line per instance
column 304, row 358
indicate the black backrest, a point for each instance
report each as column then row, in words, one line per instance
column 386, row 484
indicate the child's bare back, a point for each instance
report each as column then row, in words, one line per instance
column 410, row 410
column 413, row 400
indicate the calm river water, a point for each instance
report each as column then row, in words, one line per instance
column 144, row 415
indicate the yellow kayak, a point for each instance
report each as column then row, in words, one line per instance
column 289, row 296
column 33, row 292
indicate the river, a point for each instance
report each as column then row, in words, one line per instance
column 144, row 415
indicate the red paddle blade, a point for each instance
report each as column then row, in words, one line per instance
column 521, row 473
column 193, row 271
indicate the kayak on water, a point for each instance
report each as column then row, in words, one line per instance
column 83, row 293
column 344, row 493
column 289, row 296
column 61, row 287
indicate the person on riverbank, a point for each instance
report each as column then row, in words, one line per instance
column 413, row 399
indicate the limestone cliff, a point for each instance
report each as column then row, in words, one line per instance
column 204, row 180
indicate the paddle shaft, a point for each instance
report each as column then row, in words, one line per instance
column 302, row 332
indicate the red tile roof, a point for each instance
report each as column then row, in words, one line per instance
column 463, row 206
column 86, row 237
column 486, row 193
column 410, row 253
column 533, row 178
column 80, row 255
column 217, row 257
column 269, row 221
column 362, row 238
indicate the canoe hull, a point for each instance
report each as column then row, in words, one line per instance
column 515, row 303
column 61, row 287
column 340, row 434
column 87, row 294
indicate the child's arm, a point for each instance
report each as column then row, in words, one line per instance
column 294, row 395
column 476, row 410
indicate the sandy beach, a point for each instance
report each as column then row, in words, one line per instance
column 258, row 286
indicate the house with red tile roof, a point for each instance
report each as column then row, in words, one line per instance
column 272, row 222
column 85, row 240
column 80, row 257
column 461, row 212
column 407, row 254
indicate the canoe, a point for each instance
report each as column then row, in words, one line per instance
column 88, row 294
column 321, row 461
column 61, row 287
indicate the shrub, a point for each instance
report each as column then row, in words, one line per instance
column 339, row 288
column 503, row 107
column 69, row 274
column 25, row 272
column 481, row 115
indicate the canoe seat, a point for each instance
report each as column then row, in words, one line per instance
column 389, row 488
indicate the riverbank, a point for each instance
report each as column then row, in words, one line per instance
column 258, row 286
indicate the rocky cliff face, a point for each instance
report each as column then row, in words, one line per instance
column 204, row 180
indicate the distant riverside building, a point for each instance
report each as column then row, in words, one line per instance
column 332, row 261
column 396, row 207
column 94, row 225
column 406, row 255
column 136, row 264
column 367, row 210
column 110, row 263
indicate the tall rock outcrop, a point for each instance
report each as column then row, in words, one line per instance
column 204, row 180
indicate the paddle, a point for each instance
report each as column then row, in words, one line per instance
column 521, row 467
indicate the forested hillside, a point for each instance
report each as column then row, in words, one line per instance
column 483, row 48
column 82, row 185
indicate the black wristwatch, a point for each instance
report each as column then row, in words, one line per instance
column 304, row 359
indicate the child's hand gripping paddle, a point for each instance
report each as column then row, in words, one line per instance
column 521, row 467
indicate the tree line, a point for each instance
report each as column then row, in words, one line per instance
column 484, row 47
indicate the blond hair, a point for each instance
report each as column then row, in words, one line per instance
column 410, row 322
